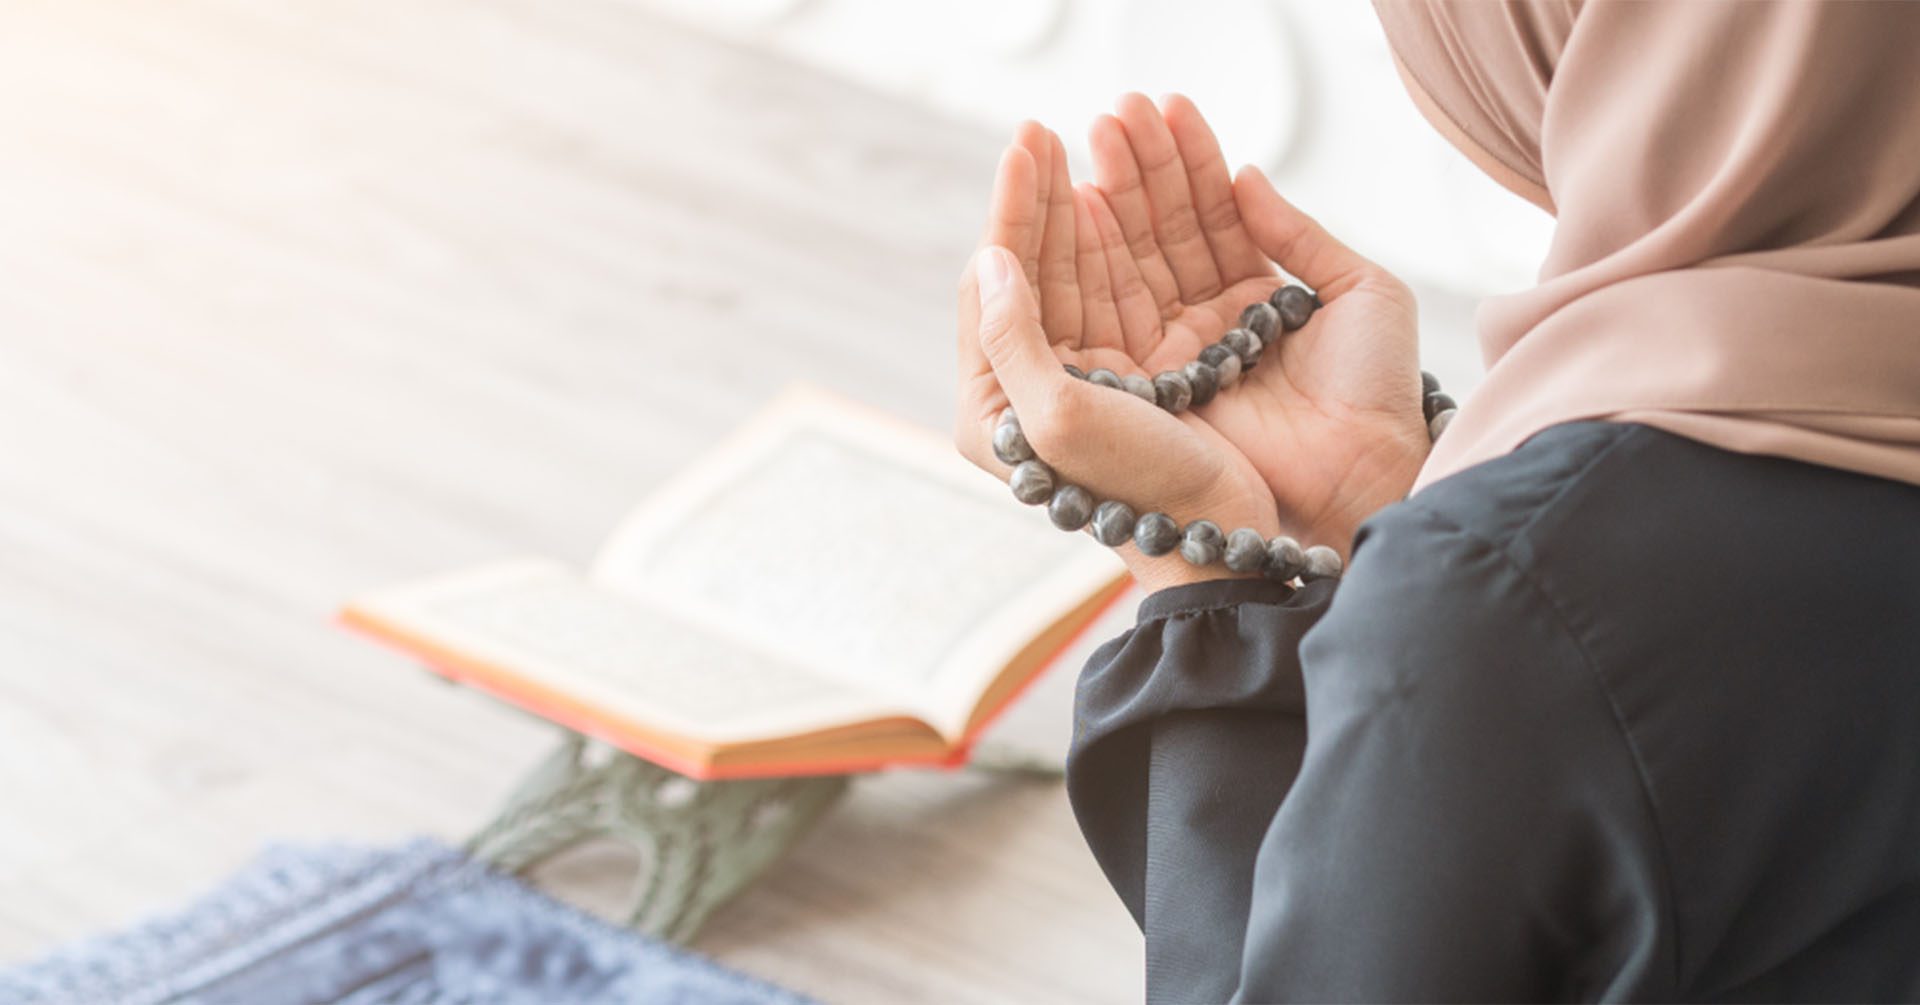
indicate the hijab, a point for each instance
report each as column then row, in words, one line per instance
column 1736, row 187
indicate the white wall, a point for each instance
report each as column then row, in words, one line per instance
column 1303, row 88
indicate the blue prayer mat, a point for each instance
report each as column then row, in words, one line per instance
column 419, row 924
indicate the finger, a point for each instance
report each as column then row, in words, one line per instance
column 1056, row 410
column 1059, row 280
column 1012, row 219
column 1175, row 224
column 1212, row 187
column 1296, row 241
column 1099, row 315
column 1118, row 176
column 1011, row 337
column 1013, row 210
column 979, row 397
column 1031, row 139
column 1012, row 215
column 1132, row 299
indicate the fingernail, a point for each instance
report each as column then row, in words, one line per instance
column 994, row 273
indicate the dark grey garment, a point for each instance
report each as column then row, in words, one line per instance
column 1616, row 716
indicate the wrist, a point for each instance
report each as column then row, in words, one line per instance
column 1170, row 570
column 1377, row 478
column 1227, row 505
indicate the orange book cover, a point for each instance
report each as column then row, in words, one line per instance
column 612, row 730
column 720, row 652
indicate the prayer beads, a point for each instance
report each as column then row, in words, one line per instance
column 1218, row 368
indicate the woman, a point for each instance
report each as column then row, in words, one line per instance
column 1623, row 701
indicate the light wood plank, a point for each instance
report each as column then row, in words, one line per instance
column 296, row 299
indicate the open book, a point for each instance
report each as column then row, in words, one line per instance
column 828, row 591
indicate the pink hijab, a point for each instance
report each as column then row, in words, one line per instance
column 1737, row 190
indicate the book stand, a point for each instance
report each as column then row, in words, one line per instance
column 699, row 842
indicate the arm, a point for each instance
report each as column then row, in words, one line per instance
column 1188, row 733
column 1466, row 822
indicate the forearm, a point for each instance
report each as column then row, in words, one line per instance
column 1189, row 732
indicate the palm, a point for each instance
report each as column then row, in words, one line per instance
column 1141, row 273
column 1318, row 397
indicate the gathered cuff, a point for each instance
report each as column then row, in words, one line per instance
column 1212, row 595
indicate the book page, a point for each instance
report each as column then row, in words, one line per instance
column 861, row 549
column 547, row 626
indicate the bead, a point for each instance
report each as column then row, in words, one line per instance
column 1155, row 534
column 1262, row 320
column 1104, row 377
column 1070, row 508
column 1032, row 482
column 1322, row 563
column 1295, row 306
column 1172, row 391
column 1073, row 371
column 1428, row 383
column 1006, row 415
column 1215, row 354
column 1285, row 559
column 1010, row 444
column 1244, row 344
column 1112, row 523
column 1228, row 369
column 1439, row 423
column 1246, row 550
column 1138, row 386
column 1201, row 542
column 1204, row 380
column 1437, row 402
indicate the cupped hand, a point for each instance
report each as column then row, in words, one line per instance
column 1141, row 273
column 1331, row 416
column 1012, row 345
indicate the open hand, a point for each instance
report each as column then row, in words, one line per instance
column 1141, row 273
column 1011, row 351
column 1331, row 416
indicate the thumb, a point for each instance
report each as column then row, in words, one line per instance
column 1295, row 240
column 1010, row 334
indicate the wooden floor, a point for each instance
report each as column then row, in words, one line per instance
column 299, row 298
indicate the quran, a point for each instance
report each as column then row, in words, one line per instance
column 828, row 591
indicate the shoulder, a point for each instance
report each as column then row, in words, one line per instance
column 1447, row 587
column 1513, row 499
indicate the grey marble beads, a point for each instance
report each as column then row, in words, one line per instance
column 1218, row 368
column 1156, row 534
column 1244, row 344
column 1262, row 320
column 1294, row 305
column 1438, row 406
column 1032, row 482
column 1322, row 563
column 1070, row 508
column 1228, row 370
column 1202, row 543
column 1285, row 559
column 1246, row 550
column 1113, row 523
column 1172, row 391
column 1009, row 443
column 1203, row 380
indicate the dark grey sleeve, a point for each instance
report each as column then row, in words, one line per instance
column 1188, row 732
column 1466, row 822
